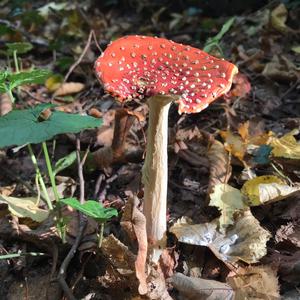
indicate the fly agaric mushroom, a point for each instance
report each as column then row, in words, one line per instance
column 162, row 71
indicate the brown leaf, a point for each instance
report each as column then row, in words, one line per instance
column 119, row 255
column 5, row 104
column 289, row 232
column 255, row 282
column 168, row 261
column 241, row 86
column 68, row 88
column 220, row 168
column 201, row 289
column 281, row 69
column 138, row 221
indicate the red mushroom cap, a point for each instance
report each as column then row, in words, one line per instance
column 140, row 66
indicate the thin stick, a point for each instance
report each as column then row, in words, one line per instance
column 82, row 224
column 72, row 68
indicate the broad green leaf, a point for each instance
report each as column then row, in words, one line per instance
column 64, row 162
column 19, row 47
column 28, row 77
column 21, row 127
column 92, row 209
column 24, row 208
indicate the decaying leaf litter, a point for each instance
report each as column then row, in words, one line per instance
column 233, row 190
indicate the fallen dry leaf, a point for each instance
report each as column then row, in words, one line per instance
column 281, row 70
column 25, row 208
column 139, row 226
column 241, row 86
column 5, row 104
column 119, row 255
column 192, row 288
column 220, row 168
column 289, row 232
column 68, row 88
column 286, row 146
column 267, row 189
column 255, row 282
column 288, row 265
column 234, row 144
column 245, row 240
column 278, row 18
column 229, row 200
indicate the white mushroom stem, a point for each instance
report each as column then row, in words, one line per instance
column 155, row 174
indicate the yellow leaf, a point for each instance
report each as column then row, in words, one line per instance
column 279, row 17
column 286, row 146
column 296, row 49
column 243, row 130
column 53, row 82
column 24, row 208
column 228, row 200
column 234, row 144
column 266, row 189
column 69, row 88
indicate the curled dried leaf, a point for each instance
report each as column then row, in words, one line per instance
column 255, row 282
column 68, row 88
column 201, row 289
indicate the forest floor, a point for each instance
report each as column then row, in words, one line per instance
column 234, row 175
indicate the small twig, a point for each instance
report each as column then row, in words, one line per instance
column 82, row 224
column 100, row 179
column 291, row 88
column 87, row 46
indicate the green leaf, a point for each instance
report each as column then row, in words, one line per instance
column 28, row 77
column 20, row 127
column 214, row 41
column 92, row 209
column 64, row 162
column 3, row 81
column 19, row 47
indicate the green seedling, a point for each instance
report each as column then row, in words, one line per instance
column 94, row 210
column 37, row 124
column 9, row 80
column 214, row 42
column 14, row 255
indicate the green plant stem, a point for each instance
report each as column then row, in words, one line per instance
column 16, row 61
column 13, row 255
column 50, row 171
column 40, row 178
column 11, row 96
column 100, row 236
